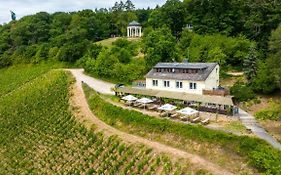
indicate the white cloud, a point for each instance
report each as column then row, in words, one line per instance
column 28, row 7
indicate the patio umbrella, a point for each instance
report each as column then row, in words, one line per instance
column 144, row 101
column 187, row 111
column 129, row 98
column 167, row 107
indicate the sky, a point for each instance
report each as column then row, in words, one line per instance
column 28, row 7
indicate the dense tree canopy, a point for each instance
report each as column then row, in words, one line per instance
column 253, row 18
column 224, row 31
column 214, row 48
column 274, row 60
column 160, row 46
column 171, row 14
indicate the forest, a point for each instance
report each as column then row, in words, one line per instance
column 240, row 35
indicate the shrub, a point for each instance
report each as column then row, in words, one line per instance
column 242, row 92
column 272, row 113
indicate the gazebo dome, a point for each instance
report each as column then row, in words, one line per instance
column 134, row 23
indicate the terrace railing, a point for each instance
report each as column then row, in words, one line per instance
column 217, row 92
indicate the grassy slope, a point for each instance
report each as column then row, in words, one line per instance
column 40, row 136
column 257, row 152
column 108, row 42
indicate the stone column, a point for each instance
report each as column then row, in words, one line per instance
column 128, row 34
column 140, row 31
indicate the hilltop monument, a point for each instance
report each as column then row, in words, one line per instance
column 13, row 15
column 134, row 29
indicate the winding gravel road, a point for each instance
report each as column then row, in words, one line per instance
column 250, row 123
column 98, row 85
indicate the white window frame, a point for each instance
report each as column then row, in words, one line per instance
column 154, row 82
column 192, row 85
column 179, row 84
column 166, row 83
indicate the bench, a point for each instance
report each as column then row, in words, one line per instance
column 128, row 103
column 196, row 120
column 164, row 114
column 205, row 122
column 175, row 115
column 136, row 104
column 141, row 106
column 184, row 118
column 152, row 107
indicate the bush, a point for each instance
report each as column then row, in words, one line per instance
column 273, row 113
column 242, row 92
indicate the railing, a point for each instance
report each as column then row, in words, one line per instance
column 217, row 92
column 139, row 84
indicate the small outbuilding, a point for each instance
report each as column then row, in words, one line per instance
column 134, row 29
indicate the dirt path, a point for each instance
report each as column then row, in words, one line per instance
column 98, row 85
column 83, row 113
column 250, row 122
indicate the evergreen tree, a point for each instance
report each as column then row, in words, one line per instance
column 121, row 6
column 250, row 64
column 129, row 6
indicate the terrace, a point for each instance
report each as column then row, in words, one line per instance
column 207, row 103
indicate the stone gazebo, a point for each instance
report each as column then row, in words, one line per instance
column 134, row 29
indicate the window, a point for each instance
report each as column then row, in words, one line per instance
column 154, row 82
column 216, row 70
column 192, row 86
column 179, row 84
column 166, row 83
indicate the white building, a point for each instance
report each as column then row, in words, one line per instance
column 183, row 77
column 134, row 29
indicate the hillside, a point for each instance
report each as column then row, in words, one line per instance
column 108, row 42
column 42, row 131
column 39, row 135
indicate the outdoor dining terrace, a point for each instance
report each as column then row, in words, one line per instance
column 168, row 111
column 205, row 103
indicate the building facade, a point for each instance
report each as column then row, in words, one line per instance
column 183, row 77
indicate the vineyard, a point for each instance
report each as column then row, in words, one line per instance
column 40, row 136
column 14, row 77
